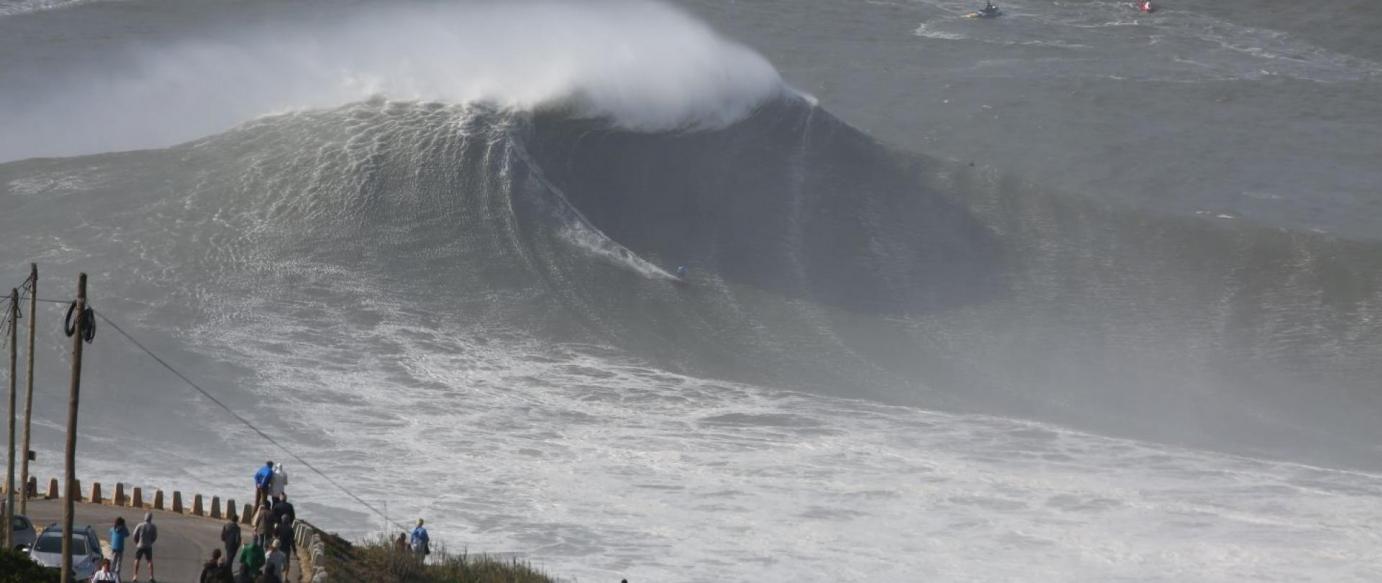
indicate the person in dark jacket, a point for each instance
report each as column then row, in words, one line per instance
column 283, row 508
column 285, row 541
column 230, row 537
column 213, row 571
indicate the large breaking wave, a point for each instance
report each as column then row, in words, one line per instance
column 819, row 259
column 511, row 204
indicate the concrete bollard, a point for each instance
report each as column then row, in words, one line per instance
column 230, row 511
column 137, row 497
column 197, row 508
column 158, row 499
column 53, row 488
column 215, row 506
column 95, row 493
column 77, row 490
column 248, row 514
column 177, row 501
column 32, row 491
column 119, row 499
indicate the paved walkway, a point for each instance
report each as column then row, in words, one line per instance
column 184, row 542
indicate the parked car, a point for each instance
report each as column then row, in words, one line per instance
column 86, row 550
column 24, row 533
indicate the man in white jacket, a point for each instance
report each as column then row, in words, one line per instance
column 278, row 482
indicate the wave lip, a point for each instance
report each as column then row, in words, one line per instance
column 641, row 66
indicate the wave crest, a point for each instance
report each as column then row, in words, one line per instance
column 641, row 66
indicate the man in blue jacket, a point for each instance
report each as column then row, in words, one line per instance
column 262, row 479
column 419, row 542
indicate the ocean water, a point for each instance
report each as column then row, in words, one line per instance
column 1074, row 294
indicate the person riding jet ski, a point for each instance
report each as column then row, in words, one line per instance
column 989, row 11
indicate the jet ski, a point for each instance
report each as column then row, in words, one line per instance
column 988, row 11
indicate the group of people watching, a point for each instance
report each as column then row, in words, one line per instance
column 264, row 556
column 144, row 536
column 416, row 542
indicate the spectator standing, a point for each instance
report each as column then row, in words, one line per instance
column 419, row 542
column 230, row 537
column 262, row 525
column 401, row 543
column 263, row 479
column 285, row 536
column 278, row 481
column 104, row 575
column 249, row 562
column 144, row 536
column 118, row 534
column 282, row 508
column 212, row 570
column 276, row 563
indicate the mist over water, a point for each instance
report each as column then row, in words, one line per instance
column 430, row 245
column 638, row 65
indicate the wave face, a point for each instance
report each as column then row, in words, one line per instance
column 818, row 259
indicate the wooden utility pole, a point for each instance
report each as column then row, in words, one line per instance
column 79, row 315
column 29, row 391
column 9, row 464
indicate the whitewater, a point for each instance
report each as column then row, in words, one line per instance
column 428, row 246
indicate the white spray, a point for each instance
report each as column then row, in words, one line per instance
column 643, row 66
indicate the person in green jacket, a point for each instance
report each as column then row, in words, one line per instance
column 248, row 562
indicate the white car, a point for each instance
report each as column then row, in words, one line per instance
column 86, row 550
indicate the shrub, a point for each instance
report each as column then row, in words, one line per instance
column 16, row 567
column 375, row 561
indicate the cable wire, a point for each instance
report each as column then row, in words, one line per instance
column 237, row 416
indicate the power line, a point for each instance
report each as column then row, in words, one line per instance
column 230, row 411
column 237, row 416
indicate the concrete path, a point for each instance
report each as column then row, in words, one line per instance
column 184, row 542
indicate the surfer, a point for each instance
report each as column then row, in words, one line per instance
column 988, row 11
column 1146, row 6
column 681, row 272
